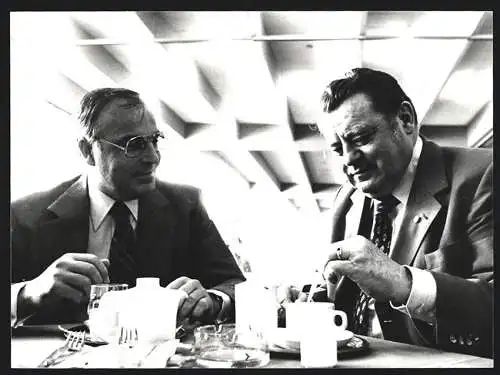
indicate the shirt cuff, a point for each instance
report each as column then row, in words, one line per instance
column 226, row 305
column 421, row 303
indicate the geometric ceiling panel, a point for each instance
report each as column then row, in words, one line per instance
column 456, row 105
column 422, row 23
column 390, row 22
column 278, row 164
column 324, row 167
column 306, row 69
column 421, row 66
column 486, row 25
column 245, row 86
column 318, row 23
column 205, row 24
column 239, row 72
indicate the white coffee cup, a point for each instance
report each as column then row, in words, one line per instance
column 307, row 315
column 315, row 326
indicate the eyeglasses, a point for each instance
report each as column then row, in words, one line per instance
column 136, row 146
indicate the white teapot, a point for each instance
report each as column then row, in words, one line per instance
column 148, row 307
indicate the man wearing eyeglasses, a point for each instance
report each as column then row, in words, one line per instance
column 116, row 223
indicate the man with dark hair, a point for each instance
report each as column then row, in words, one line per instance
column 411, row 258
column 116, row 223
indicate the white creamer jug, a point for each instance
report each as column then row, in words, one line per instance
column 149, row 307
column 104, row 321
column 152, row 309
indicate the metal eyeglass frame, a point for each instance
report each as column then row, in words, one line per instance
column 147, row 138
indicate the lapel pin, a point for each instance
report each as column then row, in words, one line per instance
column 419, row 218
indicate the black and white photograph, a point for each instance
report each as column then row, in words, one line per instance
column 265, row 189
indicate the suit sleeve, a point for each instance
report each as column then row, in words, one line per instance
column 20, row 238
column 464, row 306
column 20, row 265
column 217, row 268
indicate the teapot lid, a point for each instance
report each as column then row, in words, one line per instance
column 147, row 281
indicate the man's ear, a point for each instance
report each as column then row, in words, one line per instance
column 86, row 150
column 406, row 114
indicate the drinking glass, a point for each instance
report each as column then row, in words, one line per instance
column 226, row 346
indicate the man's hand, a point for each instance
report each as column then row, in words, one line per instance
column 68, row 277
column 199, row 306
column 290, row 293
column 365, row 264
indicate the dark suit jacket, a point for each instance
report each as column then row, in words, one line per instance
column 448, row 230
column 175, row 235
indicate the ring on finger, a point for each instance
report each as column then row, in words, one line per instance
column 338, row 253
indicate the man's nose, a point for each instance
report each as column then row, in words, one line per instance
column 351, row 155
column 151, row 154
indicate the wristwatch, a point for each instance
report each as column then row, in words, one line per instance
column 224, row 302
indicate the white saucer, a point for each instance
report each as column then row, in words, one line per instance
column 283, row 340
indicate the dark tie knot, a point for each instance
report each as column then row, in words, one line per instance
column 385, row 204
column 120, row 211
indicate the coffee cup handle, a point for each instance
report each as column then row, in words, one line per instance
column 343, row 317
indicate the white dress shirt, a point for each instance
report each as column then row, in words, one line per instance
column 101, row 223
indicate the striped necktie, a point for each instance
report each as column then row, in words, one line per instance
column 382, row 233
column 123, row 267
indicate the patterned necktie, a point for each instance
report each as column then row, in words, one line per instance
column 382, row 232
column 122, row 267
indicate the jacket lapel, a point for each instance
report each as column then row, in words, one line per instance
column 354, row 215
column 348, row 208
column 66, row 224
column 156, row 224
column 422, row 206
column 342, row 205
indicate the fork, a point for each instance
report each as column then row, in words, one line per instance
column 74, row 343
column 130, row 355
column 128, row 336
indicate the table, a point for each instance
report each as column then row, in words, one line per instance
column 30, row 346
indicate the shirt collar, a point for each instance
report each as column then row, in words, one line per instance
column 100, row 203
column 402, row 191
